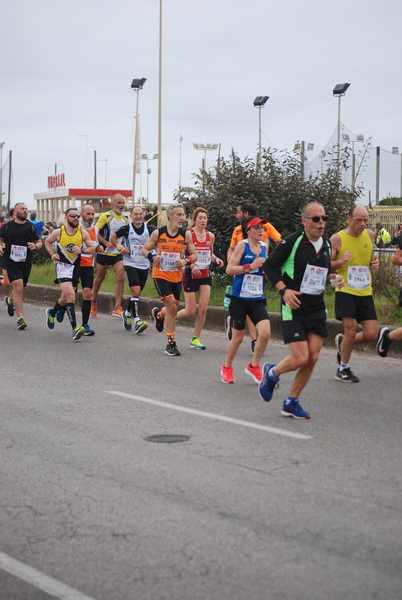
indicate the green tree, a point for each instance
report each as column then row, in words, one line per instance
column 391, row 201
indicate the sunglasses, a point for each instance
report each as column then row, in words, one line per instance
column 317, row 219
column 74, row 216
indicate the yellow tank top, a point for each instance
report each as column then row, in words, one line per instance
column 66, row 241
column 356, row 272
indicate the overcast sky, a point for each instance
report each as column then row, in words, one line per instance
column 66, row 70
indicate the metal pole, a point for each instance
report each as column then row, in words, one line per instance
column 180, row 162
column 353, row 169
column 10, row 158
column 377, row 175
column 302, row 155
column 159, row 196
column 55, row 168
column 95, row 173
column 1, row 173
column 338, row 161
column 147, row 162
column 400, row 192
column 135, row 145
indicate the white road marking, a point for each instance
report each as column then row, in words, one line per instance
column 214, row 416
column 39, row 580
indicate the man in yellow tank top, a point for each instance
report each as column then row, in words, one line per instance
column 352, row 257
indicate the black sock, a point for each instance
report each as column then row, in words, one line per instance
column 133, row 306
column 70, row 309
column 86, row 311
column 57, row 307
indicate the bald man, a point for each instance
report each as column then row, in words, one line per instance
column 352, row 257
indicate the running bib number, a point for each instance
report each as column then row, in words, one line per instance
column 359, row 277
column 252, row 286
column 203, row 259
column 64, row 271
column 136, row 250
column 314, row 279
column 168, row 261
column 18, row 253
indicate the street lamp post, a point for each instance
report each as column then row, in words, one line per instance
column 1, row 172
column 339, row 91
column 148, row 158
column 204, row 148
column 259, row 102
column 395, row 150
column 136, row 85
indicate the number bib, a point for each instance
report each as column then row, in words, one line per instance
column 168, row 261
column 252, row 286
column 314, row 279
column 136, row 250
column 203, row 259
column 18, row 253
column 64, row 271
column 359, row 277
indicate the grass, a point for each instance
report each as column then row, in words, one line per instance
column 387, row 306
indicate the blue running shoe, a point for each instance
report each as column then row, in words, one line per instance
column 60, row 312
column 88, row 331
column 293, row 408
column 50, row 317
column 268, row 383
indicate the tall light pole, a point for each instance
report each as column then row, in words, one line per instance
column 159, row 195
column 148, row 158
column 339, row 91
column 395, row 150
column 204, row 148
column 1, row 172
column 136, row 85
column 259, row 103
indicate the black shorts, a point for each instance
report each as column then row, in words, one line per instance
column 240, row 309
column 16, row 271
column 349, row 306
column 136, row 276
column 85, row 275
column 297, row 329
column 108, row 260
column 193, row 285
column 168, row 288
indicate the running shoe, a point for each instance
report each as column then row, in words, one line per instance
column 226, row 374
column 172, row 349
column 228, row 327
column 10, row 306
column 127, row 320
column 88, row 331
column 158, row 320
column 21, row 323
column 60, row 312
column 338, row 343
column 253, row 343
column 50, row 318
column 117, row 312
column 293, row 408
column 254, row 372
column 78, row 332
column 268, row 383
column 197, row 344
column 383, row 342
column 140, row 326
column 346, row 375
column 94, row 310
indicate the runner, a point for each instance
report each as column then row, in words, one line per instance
column 197, row 277
column 298, row 269
column 352, row 258
column 244, row 212
column 18, row 239
column 386, row 336
column 108, row 222
column 86, row 267
column 247, row 300
column 71, row 240
column 133, row 236
column 171, row 242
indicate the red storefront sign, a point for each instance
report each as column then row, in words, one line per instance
column 55, row 181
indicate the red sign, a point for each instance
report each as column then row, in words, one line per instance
column 55, row 181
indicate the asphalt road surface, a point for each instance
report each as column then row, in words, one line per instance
column 253, row 506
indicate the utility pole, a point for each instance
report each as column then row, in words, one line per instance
column 302, row 158
column 377, row 175
column 10, row 158
column 159, row 195
column 1, row 172
column 95, row 170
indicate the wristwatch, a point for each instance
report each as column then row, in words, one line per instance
column 282, row 291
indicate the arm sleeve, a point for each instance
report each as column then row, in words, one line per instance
column 273, row 264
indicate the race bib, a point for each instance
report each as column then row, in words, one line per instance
column 136, row 250
column 252, row 286
column 203, row 259
column 313, row 281
column 18, row 253
column 64, row 271
column 168, row 261
column 359, row 277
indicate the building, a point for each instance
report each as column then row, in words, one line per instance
column 389, row 216
column 51, row 204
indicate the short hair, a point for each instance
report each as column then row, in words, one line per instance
column 171, row 208
column 197, row 211
column 68, row 210
column 249, row 208
column 19, row 204
column 118, row 197
column 308, row 204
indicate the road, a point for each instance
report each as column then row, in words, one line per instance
column 253, row 506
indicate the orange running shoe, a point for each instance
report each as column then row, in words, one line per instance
column 94, row 310
column 226, row 374
column 254, row 372
column 117, row 312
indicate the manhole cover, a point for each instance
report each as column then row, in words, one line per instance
column 167, row 438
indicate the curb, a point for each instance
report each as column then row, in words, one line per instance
column 40, row 294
